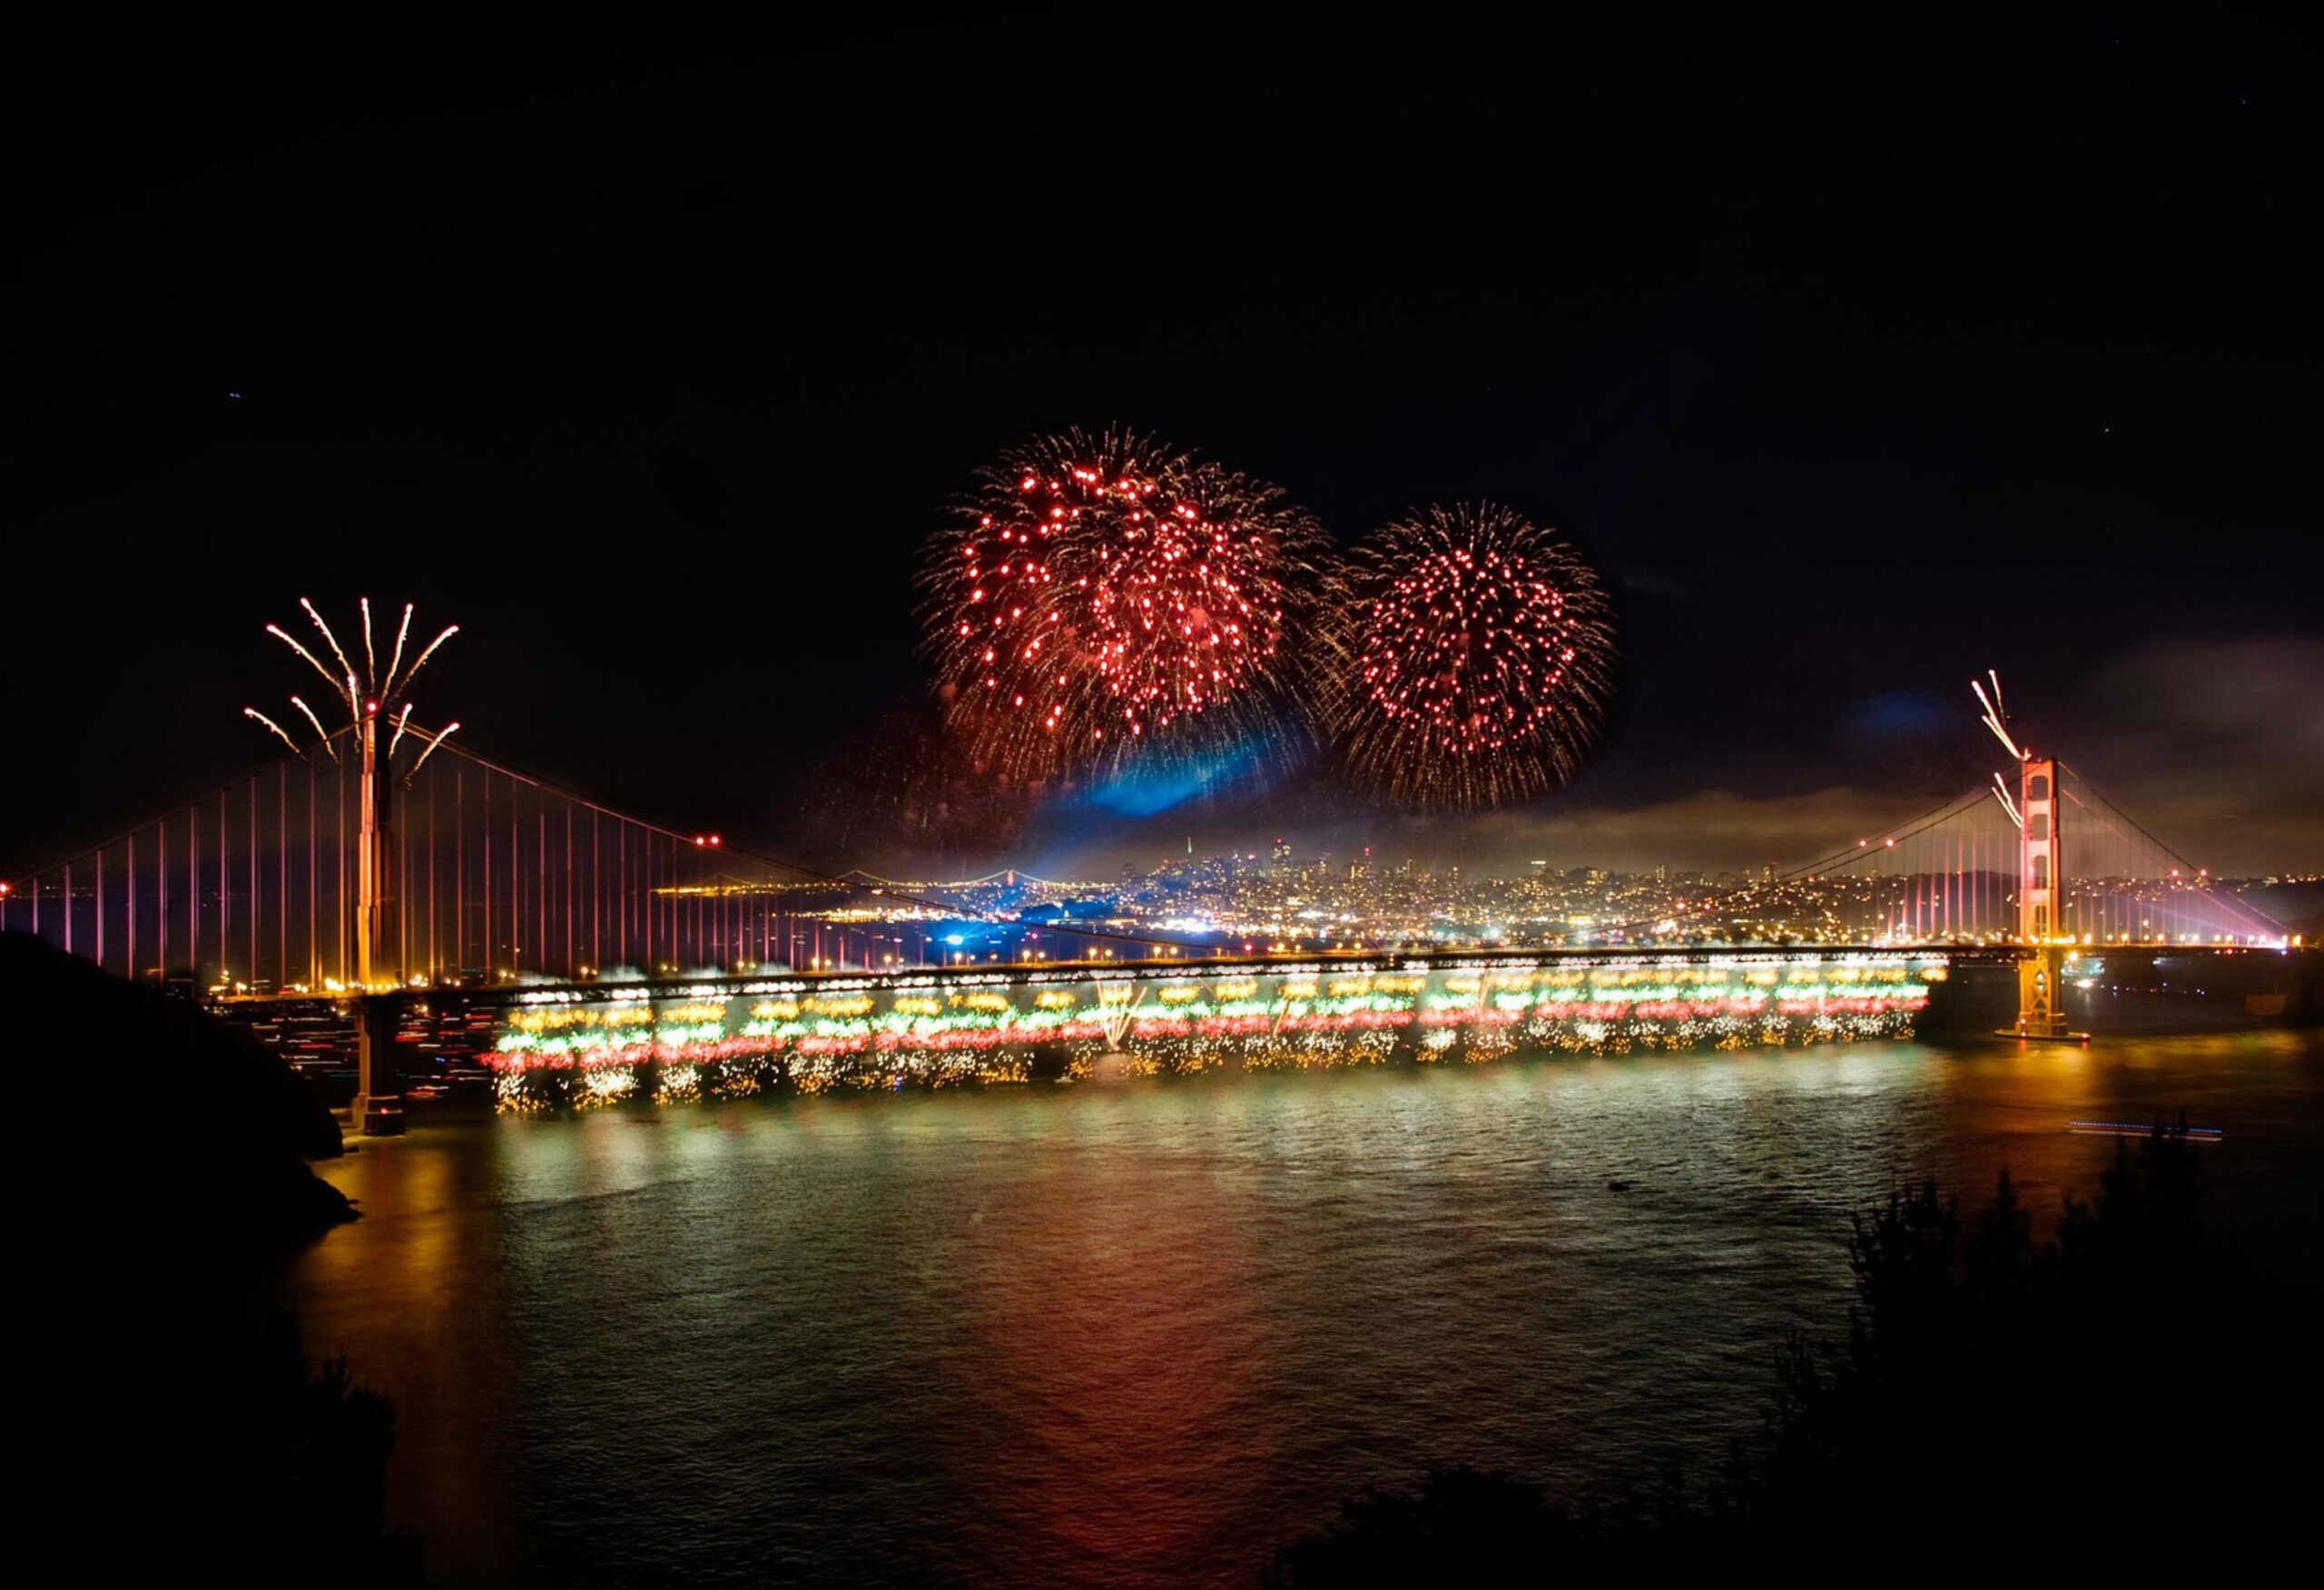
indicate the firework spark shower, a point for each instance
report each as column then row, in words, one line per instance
column 367, row 692
column 1473, row 656
column 1100, row 599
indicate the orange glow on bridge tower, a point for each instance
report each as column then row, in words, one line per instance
column 378, row 1108
column 2040, row 889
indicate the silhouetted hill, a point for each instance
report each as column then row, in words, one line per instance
column 172, row 1119
column 157, row 1174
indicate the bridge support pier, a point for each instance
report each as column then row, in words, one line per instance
column 378, row 1110
column 2040, row 995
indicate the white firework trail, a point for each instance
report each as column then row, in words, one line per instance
column 450, row 729
column 270, row 724
column 1994, row 722
column 2001, row 793
column 317, row 723
column 279, row 632
column 396, row 662
column 449, row 631
column 353, row 686
column 353, row 705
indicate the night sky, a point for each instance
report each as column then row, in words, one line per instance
column 1859, row 364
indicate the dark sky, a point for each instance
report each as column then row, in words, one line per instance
column 1860, row 363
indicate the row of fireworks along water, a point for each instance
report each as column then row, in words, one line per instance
column 572, row 1047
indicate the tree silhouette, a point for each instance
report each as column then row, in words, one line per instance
column 1986, row 1385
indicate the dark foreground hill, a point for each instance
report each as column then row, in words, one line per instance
column 157, row 1178
column 192, row 1126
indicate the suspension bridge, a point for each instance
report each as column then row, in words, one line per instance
column 433, row 902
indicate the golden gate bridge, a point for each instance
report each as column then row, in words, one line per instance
column 371, row 871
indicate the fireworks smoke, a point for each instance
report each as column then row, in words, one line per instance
column 1474, row 657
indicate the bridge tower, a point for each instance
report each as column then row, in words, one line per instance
column 2040, row 893
column 378, row 948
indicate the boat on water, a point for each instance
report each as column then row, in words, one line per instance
column 2143, row 1129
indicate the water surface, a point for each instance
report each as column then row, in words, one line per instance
column 1143, row 1331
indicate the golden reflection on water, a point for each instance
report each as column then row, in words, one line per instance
column 411, row 1298
column 1141, row 1332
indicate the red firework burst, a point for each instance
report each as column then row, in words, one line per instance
column 1475, row 656
column 1105, row 596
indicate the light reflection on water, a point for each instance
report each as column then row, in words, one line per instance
column 1138, row 1332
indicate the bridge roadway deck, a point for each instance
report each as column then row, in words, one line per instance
column 544, row 990
column 554, row 1044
